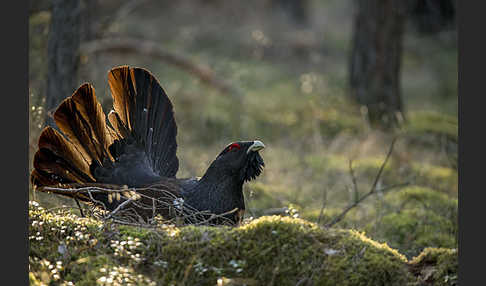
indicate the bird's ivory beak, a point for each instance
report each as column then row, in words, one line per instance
column 256, row 146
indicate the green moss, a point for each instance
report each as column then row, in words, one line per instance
column 269, row 250
column 336, row 164
column 438, row 177
column 410, row 231
column 436, row 266
column 426, row 122
column 417, row 218
column 276, row 250
column 363, row 255
column 414, row 196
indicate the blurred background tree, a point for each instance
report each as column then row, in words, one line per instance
column 62, row 52
column 280, row 71
column 376, row 59
column 376, row 56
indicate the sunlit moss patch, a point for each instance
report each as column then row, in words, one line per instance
column 280, row 250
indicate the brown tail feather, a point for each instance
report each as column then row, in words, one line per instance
column 61, row 160
column 119, row 81
column 82, row 119
column 58, row 169
column 52, row 140
column 118, row 124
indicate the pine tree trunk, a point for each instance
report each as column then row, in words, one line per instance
column 375, row 59
column 62, row 53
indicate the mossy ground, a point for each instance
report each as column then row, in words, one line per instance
column 68, row 250
column 436, row 266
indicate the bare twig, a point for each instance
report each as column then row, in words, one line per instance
column 324, row 202
column 122, row 205
column 79, row 206
column 382, row 167
column 153, row 208
column 155, row 50
column 96, row 201
column 372, row 190
column 353, row 177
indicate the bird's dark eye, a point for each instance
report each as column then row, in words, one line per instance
column 234, row 146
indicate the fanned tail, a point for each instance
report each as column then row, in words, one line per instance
column 139, row 148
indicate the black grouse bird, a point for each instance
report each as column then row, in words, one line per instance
column 136, row 150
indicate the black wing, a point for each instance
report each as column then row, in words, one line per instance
column 143, row 120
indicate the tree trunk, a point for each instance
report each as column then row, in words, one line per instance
column 62, row 53
column 375, row 59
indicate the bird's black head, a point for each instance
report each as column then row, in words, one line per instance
column 241, row 159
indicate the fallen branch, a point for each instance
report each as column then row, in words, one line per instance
column 155, row 50
column 139, row 202
column 373, row 189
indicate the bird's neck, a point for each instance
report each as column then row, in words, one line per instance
column 217, row 192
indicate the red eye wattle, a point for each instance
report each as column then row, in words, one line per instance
column 234, row 146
